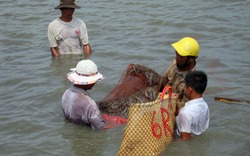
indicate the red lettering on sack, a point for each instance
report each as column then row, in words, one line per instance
column 165, row 122
column 155, row 127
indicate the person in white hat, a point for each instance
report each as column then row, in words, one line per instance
column 77, row 104
column 67, row 34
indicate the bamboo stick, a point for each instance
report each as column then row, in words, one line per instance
column 232, row 100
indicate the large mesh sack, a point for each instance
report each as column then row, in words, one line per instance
column 138, row 84
column 150, row 126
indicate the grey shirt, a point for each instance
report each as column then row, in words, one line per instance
column 78, row 107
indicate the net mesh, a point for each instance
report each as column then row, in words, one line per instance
column 138, row 84
column 150, row 127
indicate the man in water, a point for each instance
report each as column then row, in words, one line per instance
column 193, row 118
column 186, row 50
column 67, row 34
column 77, row 104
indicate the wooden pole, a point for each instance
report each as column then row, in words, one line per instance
column 232, row 101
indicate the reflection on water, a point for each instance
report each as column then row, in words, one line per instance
column 85, row 141
column 120, row 32
column 194, row 147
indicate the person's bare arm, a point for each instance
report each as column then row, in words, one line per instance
column 87, row 51
column 185, row 136
column 54, row 51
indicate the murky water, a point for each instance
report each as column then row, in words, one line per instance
column 120, row 32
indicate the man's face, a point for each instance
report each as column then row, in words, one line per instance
column 68, row 11
column 180, row 60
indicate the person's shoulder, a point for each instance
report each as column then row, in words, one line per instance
column 203, row 101
column 67, row 92
column 54, row 22
column 173, row 64
column 78, row 20
column 174, row 61
column 81, row 100
column 205, row 104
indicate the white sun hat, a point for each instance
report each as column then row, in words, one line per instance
column 86, row 72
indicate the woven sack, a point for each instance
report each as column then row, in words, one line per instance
column 150, row 126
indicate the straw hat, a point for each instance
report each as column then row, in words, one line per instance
column 86, row 72
column 67, row 4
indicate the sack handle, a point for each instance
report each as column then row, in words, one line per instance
column 167, row 88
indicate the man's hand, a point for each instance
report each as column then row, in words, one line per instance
column 54, row 51
column 185, row 136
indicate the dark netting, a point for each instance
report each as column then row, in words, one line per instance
column 138, row 84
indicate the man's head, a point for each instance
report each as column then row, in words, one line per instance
column 195, row 81
column 67, row 4
column 85, row 73
column 187, row 50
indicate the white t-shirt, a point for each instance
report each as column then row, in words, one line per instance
column 193, row 117
column 69, row 37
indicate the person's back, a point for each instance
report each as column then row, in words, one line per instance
column 77, row 104
column 80, row 108
column 193, row 118
column 195, row 112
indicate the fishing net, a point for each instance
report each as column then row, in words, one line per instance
column 150, row 126
column 138, row 84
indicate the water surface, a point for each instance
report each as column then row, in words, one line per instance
column 120, row 33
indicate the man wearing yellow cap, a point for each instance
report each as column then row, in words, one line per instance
column 66, row 34
column 186, row 50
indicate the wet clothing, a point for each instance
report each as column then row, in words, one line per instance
column 193, row 117
column 69, row 37
column 78, row 107
column 175, row 79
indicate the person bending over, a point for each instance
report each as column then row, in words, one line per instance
column 77, row 104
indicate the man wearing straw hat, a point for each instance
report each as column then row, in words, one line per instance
column 67, row 34
column 77, row 104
